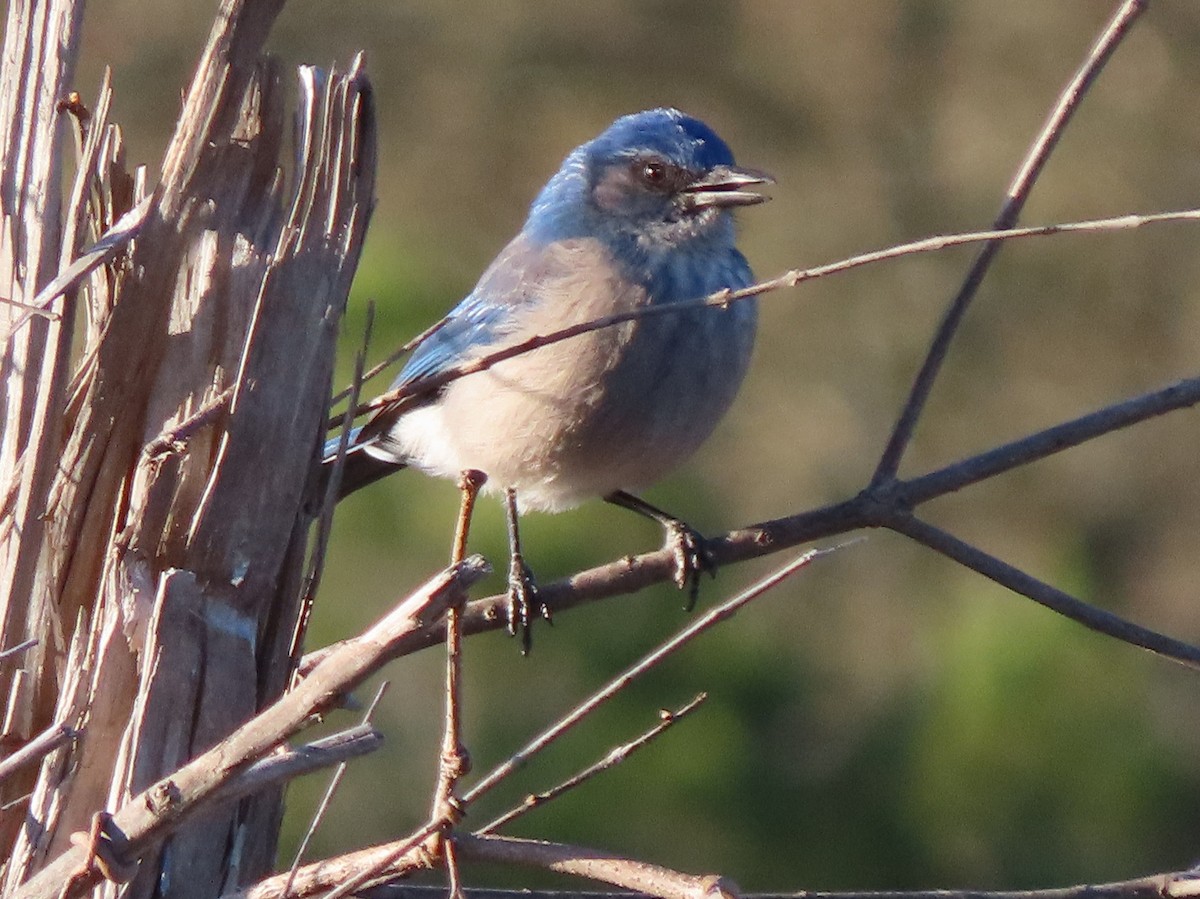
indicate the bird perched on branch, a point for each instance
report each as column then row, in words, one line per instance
column 637, row 219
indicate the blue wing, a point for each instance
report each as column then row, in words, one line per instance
column 472, row 325
column 485, row 316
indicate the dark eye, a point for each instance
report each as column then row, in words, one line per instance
column 652, row 172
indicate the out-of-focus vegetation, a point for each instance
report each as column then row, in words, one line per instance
column 886, row 720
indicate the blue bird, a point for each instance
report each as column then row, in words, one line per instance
column 638, row 217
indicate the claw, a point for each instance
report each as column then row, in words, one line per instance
column 692, row 558
column 522, row 599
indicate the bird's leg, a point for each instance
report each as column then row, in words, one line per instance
column 692, row 557
column 522, row 589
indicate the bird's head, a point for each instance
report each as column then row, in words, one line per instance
column 659, row 176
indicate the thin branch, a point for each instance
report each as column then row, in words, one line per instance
column 174, row 439
column 125, row 229
column 1068, row 102
column 288, row 764
column 1180, row 395
column 351, row 872
column 648, row 662
column 871, row 508
column 348, row 873
column 1156, row 886
column 593, row 864
column 324, row 523
column 616, row 756
column 12, row 651
column 36, row 749
column 455, row 760
column 1056, row 600
column 401, row 396
column 377, row 862
column 378, row 368
column 334, row 783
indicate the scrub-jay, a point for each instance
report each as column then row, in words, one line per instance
column 638, row 217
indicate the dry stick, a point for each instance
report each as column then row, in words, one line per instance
column 1052, row 598
column 1175, row 885
column 316, row 562
column 1180, row 395
column 420, row 387
column 606, row 867
column 1068, row 102
column 351, row 392
column 288, row 764
column 651, row 660
column 348, row 873
column 615, row 756
column 334, row 783
column 13, row 803
column 152, row 815
column 40, row 746
column 870, row 508
column 455, row 761
column 125, row 229
column 173, row 440
column 18, row 649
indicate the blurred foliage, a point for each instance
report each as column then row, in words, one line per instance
column 886, row 720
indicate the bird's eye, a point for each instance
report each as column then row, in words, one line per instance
column 652, row 172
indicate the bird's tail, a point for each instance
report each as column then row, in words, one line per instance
column 360, row 467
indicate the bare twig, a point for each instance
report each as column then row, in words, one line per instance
column 16, row 801
column 1056, row 600
column 40, row 746
column 469, row 483
column 631, row 874
column 648, row 662
column 1180, row 395
column 334, row 878
column 871, row 508
column 348, row 873
column 455, row 761
column 324, row 524
column 418, row 387
column 1176, row 885
column 288, row 764
column 378, row 368
column 334, row 783
column 173, row 440
column 114, row 240
column 12, row 651
column 1031, row 166
column 616, row 756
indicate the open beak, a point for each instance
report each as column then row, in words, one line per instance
column 722, row 187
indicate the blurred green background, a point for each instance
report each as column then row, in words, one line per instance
column 886, row 719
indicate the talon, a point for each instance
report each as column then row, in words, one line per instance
column 690, row 550
column 692, row 558
column 522, row 599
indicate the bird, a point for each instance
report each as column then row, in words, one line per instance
column 635, row 221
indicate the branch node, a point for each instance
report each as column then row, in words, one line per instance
column 714, row 886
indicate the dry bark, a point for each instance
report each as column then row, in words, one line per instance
column 157, row 474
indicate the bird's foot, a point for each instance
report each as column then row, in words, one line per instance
column 692, row 558
column 523, row 601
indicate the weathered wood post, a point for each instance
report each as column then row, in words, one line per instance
column 161, row 425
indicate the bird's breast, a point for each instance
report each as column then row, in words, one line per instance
column 615, row 408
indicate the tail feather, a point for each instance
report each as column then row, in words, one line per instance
column 360, row 468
